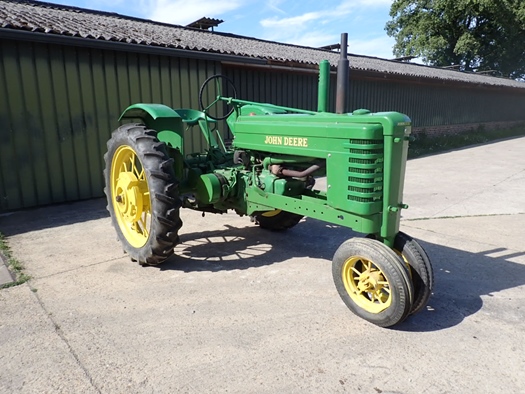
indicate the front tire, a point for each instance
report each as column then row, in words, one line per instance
column 372, row 281
column 142, row 194
column 421, row 271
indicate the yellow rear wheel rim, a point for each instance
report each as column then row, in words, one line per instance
column 366, row 284
column 271, row 214
column 131, row 197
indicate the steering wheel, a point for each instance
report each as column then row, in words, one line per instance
column 214, row 90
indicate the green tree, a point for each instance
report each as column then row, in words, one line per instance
column 481, row 35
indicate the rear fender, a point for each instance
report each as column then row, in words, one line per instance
column 161, row 118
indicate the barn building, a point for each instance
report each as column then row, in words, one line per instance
column 67, row 73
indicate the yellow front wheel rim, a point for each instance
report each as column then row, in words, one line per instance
column 405, row 260
column 131, row 197
column 366, row 284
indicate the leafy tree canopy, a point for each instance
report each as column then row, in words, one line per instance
column 481, row 35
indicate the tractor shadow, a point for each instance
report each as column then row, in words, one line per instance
column 462, row 279
column 235, row 248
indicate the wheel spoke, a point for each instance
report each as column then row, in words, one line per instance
column 145, row 231
column 132, row 164
column 381, row 299
column 139, row 172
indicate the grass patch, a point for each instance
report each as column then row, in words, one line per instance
column 15, row 266
column 425, row 144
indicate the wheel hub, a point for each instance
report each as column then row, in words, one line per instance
column 366, row 284
column 129, row 197
column 369, row 282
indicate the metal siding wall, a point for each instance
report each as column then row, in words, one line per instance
column 61, row 104
column 436, row 105
column 290, row 89
column 9, row 80
column 426, row 104
column 278, row 87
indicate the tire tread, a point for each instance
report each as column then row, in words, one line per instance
column 163, row 187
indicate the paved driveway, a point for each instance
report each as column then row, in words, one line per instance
column 242, row 310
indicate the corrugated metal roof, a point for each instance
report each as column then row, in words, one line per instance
column 50, row 18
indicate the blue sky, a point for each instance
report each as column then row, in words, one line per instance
column 307, row 22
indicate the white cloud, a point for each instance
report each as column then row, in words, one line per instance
column 375, row 3
column 300, row 21
column 313, row 39
column 377, row 47
column 182, row 12
column 307, row 28
column 322, row 25
column 97, row 4
column 292, row 22
column 273, row 5
column 313, row 27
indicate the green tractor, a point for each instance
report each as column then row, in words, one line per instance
column 268, row 173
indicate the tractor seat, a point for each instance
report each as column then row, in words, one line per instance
column 192, row 116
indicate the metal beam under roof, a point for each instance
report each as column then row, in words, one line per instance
column 331, row 47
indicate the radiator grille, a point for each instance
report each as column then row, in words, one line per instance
column 365, row 175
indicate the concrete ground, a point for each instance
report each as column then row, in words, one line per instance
column 242, row 310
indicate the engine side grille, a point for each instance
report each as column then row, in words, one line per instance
column 365, row 175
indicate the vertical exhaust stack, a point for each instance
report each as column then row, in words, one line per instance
column 342, row 77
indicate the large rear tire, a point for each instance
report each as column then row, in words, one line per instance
column 142, row 194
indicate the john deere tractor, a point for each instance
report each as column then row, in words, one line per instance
column 268, row 173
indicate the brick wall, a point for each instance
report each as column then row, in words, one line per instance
column 456, row 129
